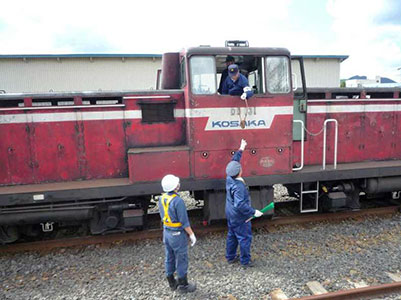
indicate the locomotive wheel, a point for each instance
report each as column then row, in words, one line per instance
column 103, row 221
column 8, row 234
column 30, row 231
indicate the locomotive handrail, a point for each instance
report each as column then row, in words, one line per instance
column 61, row 107
column 303, row 129
column 147, row 97
column 354, row 100
column 335, row 142
column 302, row 144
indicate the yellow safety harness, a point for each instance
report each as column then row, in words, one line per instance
column 166, row 200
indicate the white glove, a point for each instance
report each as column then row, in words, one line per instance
column 247, row 89
column 193, row 239
column 243, row 145
column 243, row 96
column 258, row 213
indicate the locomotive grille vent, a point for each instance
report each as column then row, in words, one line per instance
column 157, row 112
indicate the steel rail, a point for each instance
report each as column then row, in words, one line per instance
column 199, row 230
column 358, row 293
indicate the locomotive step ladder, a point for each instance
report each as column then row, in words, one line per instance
column 311, row 188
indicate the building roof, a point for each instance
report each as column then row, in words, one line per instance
column 127, row 55
column 93, row 55
column 386, row 80
column 340, row 57
column 357, row 77
column 382, row 79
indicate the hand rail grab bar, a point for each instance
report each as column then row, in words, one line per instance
column 335, row 142
column 302, row 144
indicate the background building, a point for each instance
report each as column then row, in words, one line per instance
column 322, row 70
column 363, row 81
column 119, row 72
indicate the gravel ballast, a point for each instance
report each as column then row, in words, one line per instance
column 286, row 257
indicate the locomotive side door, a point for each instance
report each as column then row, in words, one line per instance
column 300, row 95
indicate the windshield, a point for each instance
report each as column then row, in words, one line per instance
column 206, row 71
column 203, row 75
column 277, row 75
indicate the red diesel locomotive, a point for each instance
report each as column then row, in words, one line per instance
column 97, row 157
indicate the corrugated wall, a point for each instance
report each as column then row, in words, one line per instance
column 322, row 72
column 77, row 74
column 84, row 74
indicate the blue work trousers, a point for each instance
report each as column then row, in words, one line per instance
column 242, row 235
column 176, row 246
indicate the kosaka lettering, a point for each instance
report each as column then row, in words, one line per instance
column 233, row 124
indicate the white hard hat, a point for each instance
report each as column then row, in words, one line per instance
column 170, row 182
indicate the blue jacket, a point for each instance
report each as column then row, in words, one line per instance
column 177, row 212
column 233, row 88
column 238, row 203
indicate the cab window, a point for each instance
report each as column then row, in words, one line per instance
column 249, row 65
column 277, row 75
column 206, row 73
column 203, row 75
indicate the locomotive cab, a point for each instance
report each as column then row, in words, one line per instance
column 216, row 118
column 216, row 122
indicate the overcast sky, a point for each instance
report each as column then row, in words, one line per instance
column 368, row 31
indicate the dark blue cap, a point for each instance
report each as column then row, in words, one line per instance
column 229, row 58
column 232, row 69
column 233, row 168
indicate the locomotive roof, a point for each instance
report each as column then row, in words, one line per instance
column 237, row 51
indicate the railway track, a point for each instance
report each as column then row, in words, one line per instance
column 362, row 291
column 200, row 230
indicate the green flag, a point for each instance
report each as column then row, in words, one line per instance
column 268, row 207
column 263, row 210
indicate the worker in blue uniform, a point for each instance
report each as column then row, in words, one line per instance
column 238, row 212
column 175, row 229
column 236, row 84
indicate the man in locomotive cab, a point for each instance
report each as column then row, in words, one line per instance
column 236, row 84
column 229, row 61
column 238, row 212
column 175, row 226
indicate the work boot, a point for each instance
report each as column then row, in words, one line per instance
column 172, row 282
column 184, row 286
column 233, row 261
column 251, row 264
